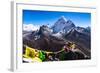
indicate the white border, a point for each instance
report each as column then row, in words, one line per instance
column 75, row 3
column 17, row 46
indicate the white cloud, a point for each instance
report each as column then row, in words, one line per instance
column 30, row 27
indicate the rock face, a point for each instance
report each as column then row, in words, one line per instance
column 54, row 38
column 81, row 39
column 44, row 40
column 62, row 25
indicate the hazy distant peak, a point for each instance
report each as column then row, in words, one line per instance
column 63, row 24
column 62, row 18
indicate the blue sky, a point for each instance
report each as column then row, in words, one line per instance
column 50, row 17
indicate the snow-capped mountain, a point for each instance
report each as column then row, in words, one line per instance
column 62, row 25
column 83, row 30
column 45, row 30
column 30, row 27
column 54, row 38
